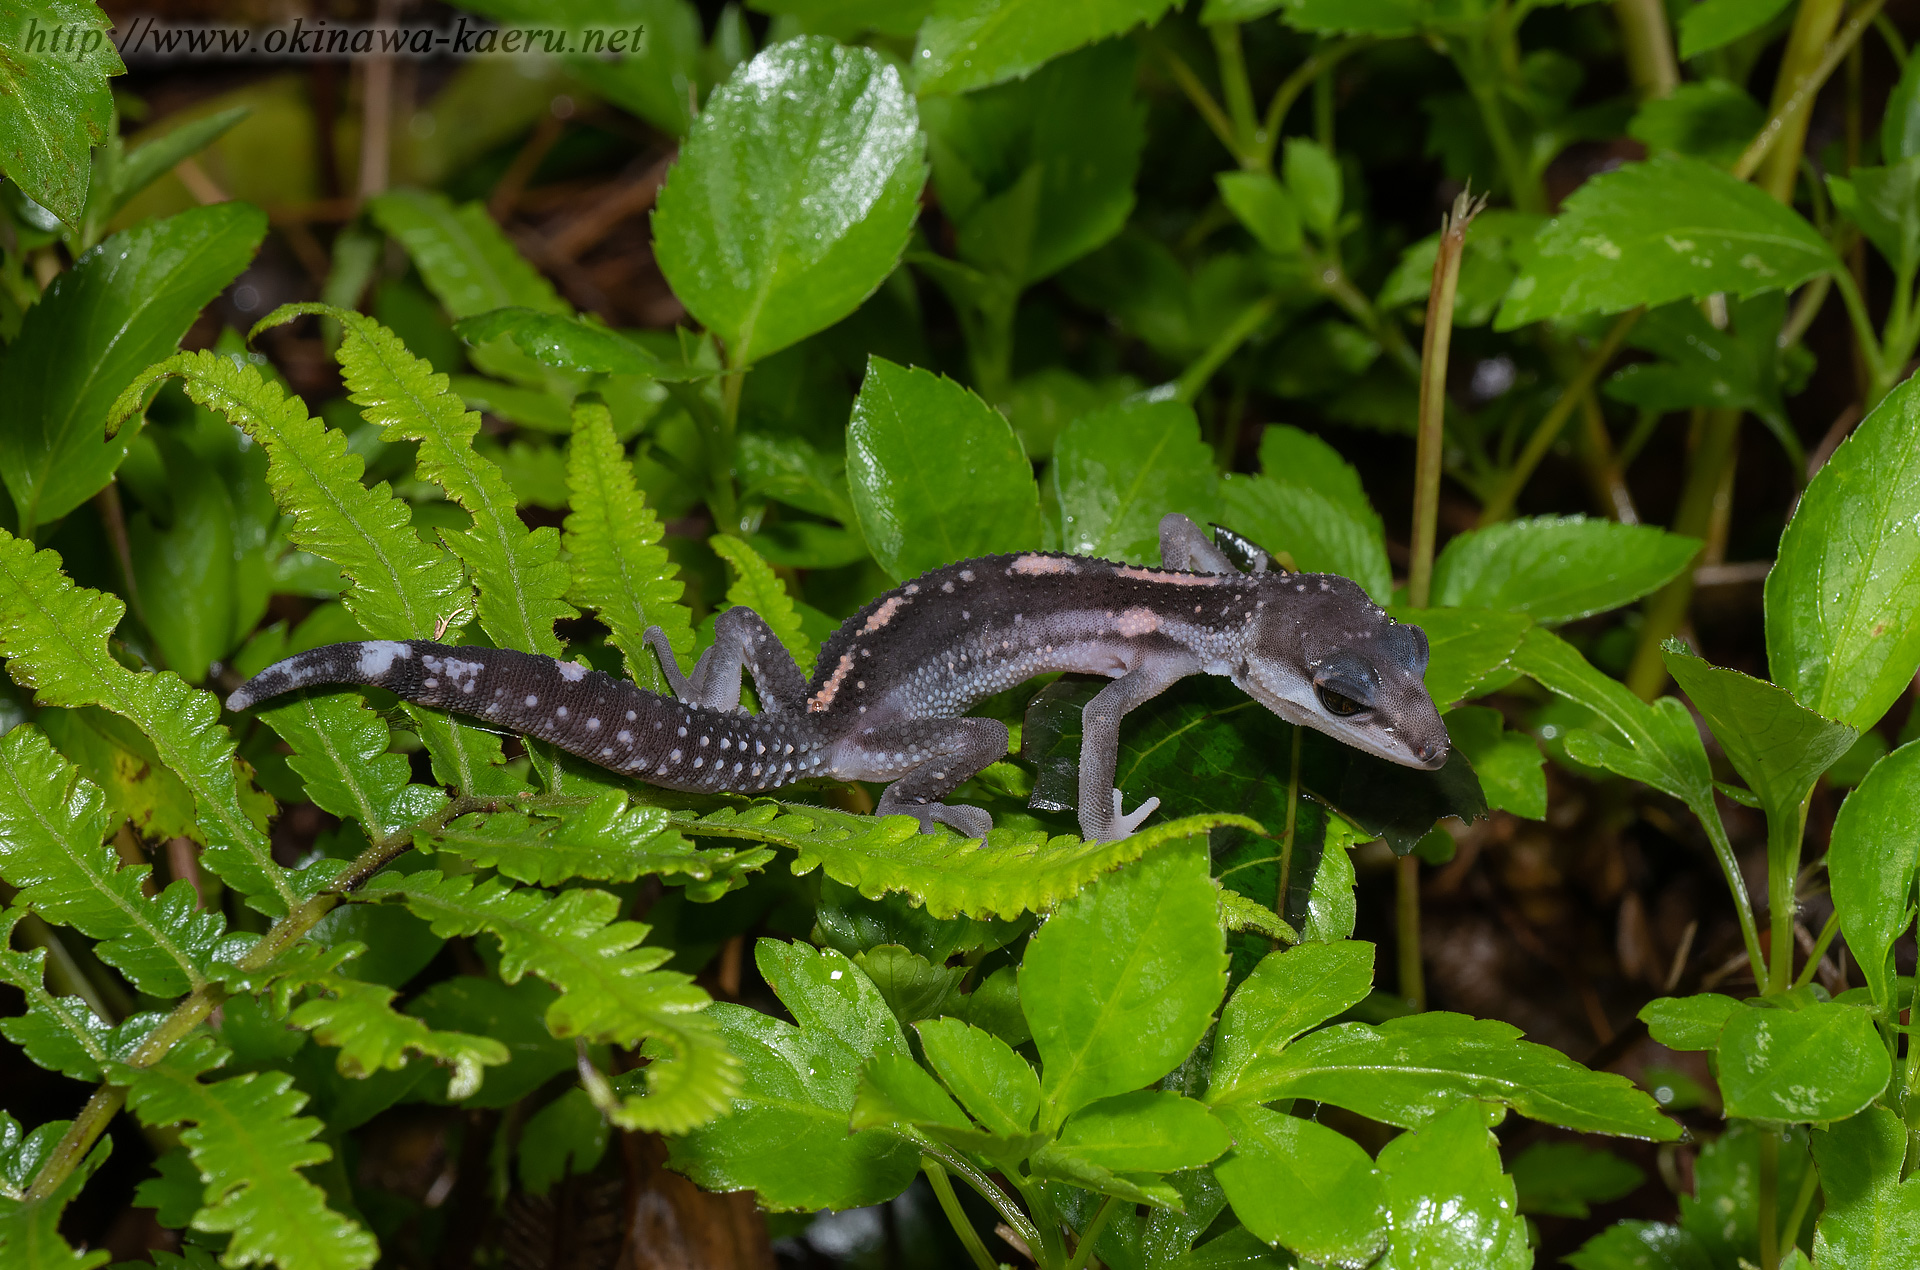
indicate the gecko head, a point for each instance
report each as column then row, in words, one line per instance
column 1326, row 656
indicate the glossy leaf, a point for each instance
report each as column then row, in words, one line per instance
column 1294, row 457
column 1563, row 1179
column 1710, row 119
column 1301, row 1185
column 936, row 474
column 606, row 840
column 1117, row 471
column 1321, row 535
column 1778, row 746
column 1465, row 647
column 1722, row 1214
column 1410, row 1069
column 1689, row 1023
column 1287, row 993
column 1147, row 1131
column 1507, row 761
column 1872, row 861
column 1122, row 981
column 30, row 1229
column 1558, row 568
column 123, row 306
column 914, row 987
column 896, row 1092
column 1872, row 1218
column 1885, row 204
column 1843, row 599
column 793, row 196
column 759, row 588
column 1820, row 1063
column 1738, row 365
column 995, row 1085
column 62, row 1033
column 1641, row 1245
column 1667, row 229
column 1448, row 1203
column 341, row 753
column 787, row 1135
column 465, row 259
column 967, row 44
column 575, row 344
column 55, row 106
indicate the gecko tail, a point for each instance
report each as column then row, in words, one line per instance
column 385, row 663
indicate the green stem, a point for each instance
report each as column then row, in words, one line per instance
column 1303, row 77
column 1648, row 42
column 724, row 500
column 956, row 1216
column 1768, row 1214
column 1481, row 67
column 1790, row 1229
column 1091, row 1235
column 1235, row 87
column 983, row 1186
column 1237, row 332
column 1709, row 817
column 1052, row 1251
column 1434, row 350
column 1413, row 978
column 1202, row 100
column 1286, row 841
column 1785, row 828
column 1820, row 947
column 1501, row 502
column 1809, row 59
column 1865, row 337
column 1332, row 281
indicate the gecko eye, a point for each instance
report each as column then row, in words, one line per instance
column 1337, row 703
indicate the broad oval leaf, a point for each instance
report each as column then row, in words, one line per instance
column 1872, row 1218
column 1843, row 599
column 570, row 343
column 1565, row 1179
column 1122, row 981
column 1287, row 993
column 1641, row 1245
column 1301, row 1185
column 1448, row 1203
column 1147, row 1131
column 1871, row 864
column 993, row 1083
column 1465, row 647
column 966, row 44
column 1666, row 229
column 1819, row 1064
column 1319, row 532
column 55, row 106
column 1712, row 23
column 1688, row 1023
column 1117, row 471
column 793, row 196
column 122, row 307
column 1558, row 568
column 936, row 474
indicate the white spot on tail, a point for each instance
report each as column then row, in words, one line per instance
column 377, row 656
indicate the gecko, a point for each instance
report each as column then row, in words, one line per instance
column 889, row 693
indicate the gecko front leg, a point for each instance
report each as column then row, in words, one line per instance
column 926, row 759
column 1101, row 817
column 741, row 640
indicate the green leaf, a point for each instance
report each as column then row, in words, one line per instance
column 513, row 1015
column 142, row 166
column 1843, row 599
column 621, row 573
column 1508, row 762
column 341, row 753
column 1147, row 1131
column 54, row 103
column 1723, row 1213
column 896, row 1091
column 1885, row 204
column 185, row 573
column 1408, row 1070
column 1465, row 647
column 610, row 990
column 1303, row 1186
column 1872, row 1218
column 1294, row 457
column 1713, row 120
column 605, row 841
column 787, row 1136
column 572, row 343
column 1448, row 1204
column 567, row 1136
column 1287, row 993
column 61, row 1034
column 1562, row 1179
column 55, row 637
column 1667, row 229
column 936, row 474
column 1371, row 17
column 756, row 586
column 1495, row 244
column 30, row 1229
column 914, row 987
column 1558, row 568
column 1688, row 1023
column 122, row 306
column 1641, row 1245
column 967, row 44
column 1319, row 533
column 249, row 1143
column 111, row 753
column 467, row 262
column 1871, row 864
column 793, row 197
column 1122, row 981
column 995, row 1085
column 1117, row 471
column 1313, row 178
column 1819, row 1064
column 1332, row 909
column 1713, row 23
column 1264, row 207
column 1900, row 125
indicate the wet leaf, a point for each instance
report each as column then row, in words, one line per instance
column 1563, row 1179
column 1507, row 761
column 1321, row 535
column 1466, row 648
column 1818, row 1064
column 966, row 44
column 1147, row 1131
column 1117, row 471
column 1689, row 1023
column 1872, row 1218
column 1558, row 568
column 1871, row 863
column 1641, row 1245
column 992, row 1082
column 1303, row 1186
column 1288, row 993
column 1447, row 1200
column 55, row 106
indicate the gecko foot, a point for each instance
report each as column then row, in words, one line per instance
column 1121, row 825
column 968, row 822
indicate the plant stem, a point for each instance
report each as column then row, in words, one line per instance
column 1052, row 1248
column 1203, row 100
column 1820, row 947
column 1237, row 332
column 1768, row 1214
column 1286, row 841
column 1709, row 817
column 1238, row 92
column 983, row 1186
column 723, row 500
column 1091, row 1235
column 1501, row 503
column 1810, row 58
column 1790, row 1229
column 956, row 1216
column 1482, row 67
column 1649, row 46
column 1413, row 979
column 1303, row 77
column 1434, row 349
column 1881, row 369
column 1706, row 481
column 1785, row 828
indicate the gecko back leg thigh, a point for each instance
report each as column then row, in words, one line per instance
column 742, row 640
column 925, row 759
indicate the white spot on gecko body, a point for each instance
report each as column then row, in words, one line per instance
column 430, row 683
column 1178, row 579
column 1137, row 621
column 1034, row 564
column 966, row 575
column 532, row 700
column 561, row 713
column 593, row 725
column 947, row 587
column 378, row 655
column 882, row 615
column 626, row 738
column 571, row 671
column 830, row 689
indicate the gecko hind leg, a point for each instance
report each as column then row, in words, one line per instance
column 1186, row 547
column 926, row 759
column 742, row 641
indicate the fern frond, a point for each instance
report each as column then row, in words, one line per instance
column 30, row 1228
column 54, row 635
column 468, row 264
column 620, row 571
column 249, row 1142
column 401, row 588
column 340, row 749
column 606, row 841
column 62, row 1034
column 1009, row 874
column 51, row 826
column 757, row 586
column 610, row 989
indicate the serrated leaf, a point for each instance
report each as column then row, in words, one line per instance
column 61, row 1034
column 111, row 753
column 605, row 841
column 968, row 44
column 249, row 1142
column 1817, row 1064
column 341, row 753
column 1319, row 533
column 1872, row 1218
column 51, row 827
column 991, row 1081
column 1641, row 1245
column 1299, row 1184
column 55, row 638
column 611, row 990
column 1563, row 1179
column 787, row 1137
column 1287, row 993
column 1465, row 647
column 1146, row 1131
column 793, row 196
column 1507, row 761
column 1118, row 470
column 467, row 263
column 55, row 106
column 30, row 1236
column 1558, row 568
column 1012, row 872
column 575, row 344
column 756, row 586
column 1667, row 229
column 1407, row 1070
column 1448, row 1203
